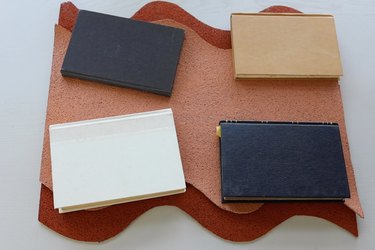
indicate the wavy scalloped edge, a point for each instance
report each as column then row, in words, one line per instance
column 96, row 226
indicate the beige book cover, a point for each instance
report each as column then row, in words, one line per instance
column 267, row 45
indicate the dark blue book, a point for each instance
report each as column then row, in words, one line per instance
column 123, row 52
column 273, row 161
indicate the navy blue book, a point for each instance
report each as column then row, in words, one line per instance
column 281, row 161
column 123, row 52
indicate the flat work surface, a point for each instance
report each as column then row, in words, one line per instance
column 26, row 60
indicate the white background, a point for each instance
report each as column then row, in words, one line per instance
column 25, row 60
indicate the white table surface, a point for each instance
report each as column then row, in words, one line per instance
column 25, row 62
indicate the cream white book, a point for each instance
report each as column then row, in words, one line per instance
column 113, row 160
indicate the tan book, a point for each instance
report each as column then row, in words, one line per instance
column 267, row 45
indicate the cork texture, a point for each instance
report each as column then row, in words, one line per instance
column 201, row 78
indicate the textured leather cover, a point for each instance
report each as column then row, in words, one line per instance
column 123, row 52
column 277, row 160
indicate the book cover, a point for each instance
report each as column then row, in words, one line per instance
column 269, row 45
column 123, row 52
column 263, row 161
column 113, row 160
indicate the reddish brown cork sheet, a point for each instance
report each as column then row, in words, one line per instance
column 297, row 88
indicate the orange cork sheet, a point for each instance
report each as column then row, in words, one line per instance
column 203, row 68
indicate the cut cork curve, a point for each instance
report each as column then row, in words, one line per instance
column 97, row 226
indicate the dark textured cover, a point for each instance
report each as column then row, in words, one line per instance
column 281, row 160
column 123, row 52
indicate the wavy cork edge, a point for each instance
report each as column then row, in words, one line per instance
column 97, row 226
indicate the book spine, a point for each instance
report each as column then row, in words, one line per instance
column 279, row 122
